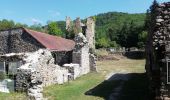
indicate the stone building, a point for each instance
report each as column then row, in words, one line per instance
column 158, row 51
column 37, row 59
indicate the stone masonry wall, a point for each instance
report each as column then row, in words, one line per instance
column 157, row 49
column 37, row 71
column 81, row 53
column 17, row 41
column 90, row 32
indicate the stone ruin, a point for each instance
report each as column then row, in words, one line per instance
column 39, row 66
column 158, row 51
column 85, row 42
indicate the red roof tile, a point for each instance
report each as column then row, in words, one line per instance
column 53, row 43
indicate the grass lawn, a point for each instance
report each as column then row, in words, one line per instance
column 74, row 90
column 92, row 86
column 12, row 96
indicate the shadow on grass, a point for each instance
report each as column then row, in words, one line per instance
column 134, row 87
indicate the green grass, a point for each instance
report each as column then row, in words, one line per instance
column 74, row 90
column 12, row 96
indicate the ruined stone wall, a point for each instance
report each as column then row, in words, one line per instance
column 81, row 53
column 17, row 41
column 37, row 71
column 90, row 32
column 157, row 49
column 41, row 66
column 68, row 24
column 77, row 26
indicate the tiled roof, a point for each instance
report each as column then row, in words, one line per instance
column 53, row 43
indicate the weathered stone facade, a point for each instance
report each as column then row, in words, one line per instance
column 77, row 26
column 39, row 70
column 68, row 24
column 17, row 41
column 90, row 32
column 157, row 50
column 81, row 53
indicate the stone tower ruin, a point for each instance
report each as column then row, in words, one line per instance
column 88, row 29
column 68, row 24
column 77, row 26
column 85, row 44
column 90, row 32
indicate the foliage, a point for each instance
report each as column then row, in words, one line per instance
column 53, row 29
column 142, row 38
column 123, row 28
column 102, row 42
column 6, row 24
column 37, row 27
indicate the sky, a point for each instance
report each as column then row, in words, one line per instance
column 40, row 11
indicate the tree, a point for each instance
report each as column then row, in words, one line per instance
column 53, row 29
column 6, row 24
column 21, row 25
column 102, row 43
column 142, row 39
column 37, row 27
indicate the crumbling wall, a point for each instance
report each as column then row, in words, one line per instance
column 81, row 53
column 68, row 24
column 17, row 41
column 90, row 32
column 77, row 26
column 42, row 63
column 37, row 71
column 157, row 49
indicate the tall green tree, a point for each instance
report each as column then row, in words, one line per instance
column 53, row 29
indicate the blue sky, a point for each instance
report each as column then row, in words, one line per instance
column 40, row 11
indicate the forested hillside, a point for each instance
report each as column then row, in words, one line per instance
column 113, row 29
column 119, row 29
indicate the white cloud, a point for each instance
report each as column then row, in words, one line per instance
column 36, row 21
column 54, row 13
